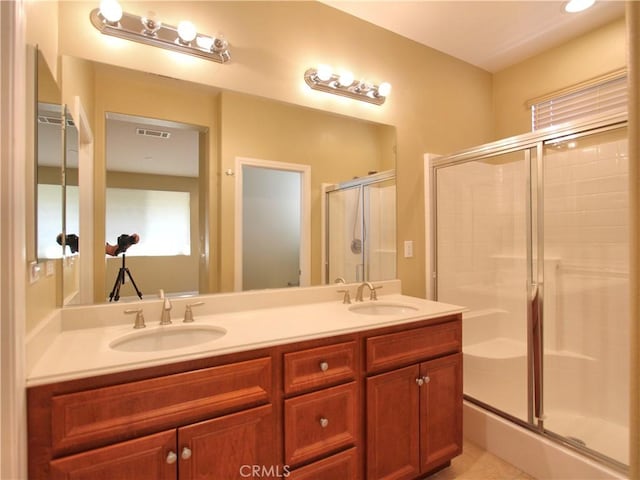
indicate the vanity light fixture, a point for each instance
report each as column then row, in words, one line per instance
column 323, row 79
column 109, row 19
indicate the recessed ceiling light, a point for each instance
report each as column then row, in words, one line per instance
column 574, row 6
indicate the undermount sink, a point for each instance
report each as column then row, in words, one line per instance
column 375, row 308
column 167, row 338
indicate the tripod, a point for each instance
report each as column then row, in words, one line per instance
column 115, row 293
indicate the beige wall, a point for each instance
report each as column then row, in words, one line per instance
column 589, row 56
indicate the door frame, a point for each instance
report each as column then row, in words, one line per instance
column 305, row 215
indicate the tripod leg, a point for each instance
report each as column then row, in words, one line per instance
column 133, row 283
column 115, row 292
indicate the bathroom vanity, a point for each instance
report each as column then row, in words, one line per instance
column 359, row 396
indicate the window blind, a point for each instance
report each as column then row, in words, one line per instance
column 608, row 97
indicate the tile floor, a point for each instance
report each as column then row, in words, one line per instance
column 478, row 464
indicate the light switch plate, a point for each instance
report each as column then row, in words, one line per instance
column 34, row 272
column 408, row 248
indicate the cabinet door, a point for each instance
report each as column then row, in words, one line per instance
column 152, row 456
column 393, row 424
column 440, row 411
column 232, row 447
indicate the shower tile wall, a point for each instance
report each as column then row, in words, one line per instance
column 586, row 230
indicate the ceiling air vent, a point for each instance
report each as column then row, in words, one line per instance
column 152, row 133
column 50, row 120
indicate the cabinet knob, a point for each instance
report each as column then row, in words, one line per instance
column 324, row 422
column 171, row 457
column 186, row 453
column 324, row 366
column 426, row 379
column 420, row 381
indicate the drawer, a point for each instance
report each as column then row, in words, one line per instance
column 397, row 349
column 319, row 367
column 319, row 423
column 343, row 465
column 95, row 417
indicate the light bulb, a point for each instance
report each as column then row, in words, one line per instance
column 186, row 31
column 204, row 42
column 346, row 79
column 324, row 72
column 384, row 89
column 574, row 6
column 111, row 10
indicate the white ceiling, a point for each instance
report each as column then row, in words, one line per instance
column 491, row 35
column 129, row 152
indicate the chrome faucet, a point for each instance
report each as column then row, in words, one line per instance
column 372, row 296
column 165, row 316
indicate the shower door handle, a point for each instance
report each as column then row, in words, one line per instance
column 537, row 349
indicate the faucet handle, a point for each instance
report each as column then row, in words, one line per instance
column 139, row 323
column 374, row 295
column 188, row 314
column 347, row 296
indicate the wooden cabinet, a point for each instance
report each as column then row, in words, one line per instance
column 440, row 411
column 380, row 403
column 144, row 457
column 324, row 421
column 414, row 413
column 343, row 465
column 225, row 447
column 228, row 447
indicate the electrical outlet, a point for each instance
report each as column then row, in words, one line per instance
column 50, row 268
column 408, row 248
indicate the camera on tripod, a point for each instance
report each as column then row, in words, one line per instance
column 123, row 243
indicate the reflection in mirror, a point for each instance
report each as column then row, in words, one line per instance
column 48, row 163
column 152, row 216
column 71, row 227
column 361, row 229
column 230, row 125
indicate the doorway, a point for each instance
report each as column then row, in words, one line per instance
column 272, row 225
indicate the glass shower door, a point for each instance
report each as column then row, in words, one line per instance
column 380, row 230
column 586, row 317
column 483, row 261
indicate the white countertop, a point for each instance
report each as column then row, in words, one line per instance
column 75, row 351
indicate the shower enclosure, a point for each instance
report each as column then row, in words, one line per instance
column 361, row 229
column 531, row 234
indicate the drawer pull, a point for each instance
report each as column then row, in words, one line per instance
column 186, row 453
column 324, row 366
column 324, row 422
column 171, row 457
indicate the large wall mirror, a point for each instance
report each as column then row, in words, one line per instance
column 168, row 168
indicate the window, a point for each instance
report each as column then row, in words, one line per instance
column 161, row 218
column 605, row 96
